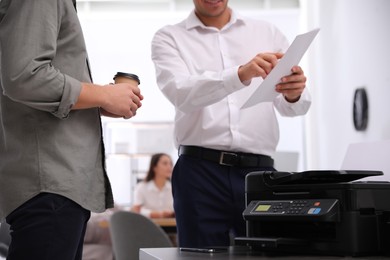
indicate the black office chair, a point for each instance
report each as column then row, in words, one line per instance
column 5, row 239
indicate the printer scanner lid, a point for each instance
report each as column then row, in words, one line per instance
column 316, row 176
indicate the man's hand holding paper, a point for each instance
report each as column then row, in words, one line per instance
column 285, row 76
column 260, row 66
column 292, row 86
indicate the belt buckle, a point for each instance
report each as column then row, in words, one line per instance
column 222, row 158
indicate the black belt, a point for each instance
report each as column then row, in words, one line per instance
column 227, row 158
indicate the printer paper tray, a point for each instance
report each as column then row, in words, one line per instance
column 270, row 242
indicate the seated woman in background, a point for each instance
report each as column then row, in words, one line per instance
column 153, row 196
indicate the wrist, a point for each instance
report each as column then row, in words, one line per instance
column 89, row 97
column 292, row 100
column 241, row 75
column 103, row 95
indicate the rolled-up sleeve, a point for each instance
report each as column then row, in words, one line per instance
column 30, row 76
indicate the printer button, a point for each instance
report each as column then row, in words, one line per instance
column 317, row 210
column 314, row 211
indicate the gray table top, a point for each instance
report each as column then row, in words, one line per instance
column 233, row 254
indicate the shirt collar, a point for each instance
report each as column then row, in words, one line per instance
column 193, row 21
column 151, row 186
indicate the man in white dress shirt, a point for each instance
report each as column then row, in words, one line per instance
column 207, row 66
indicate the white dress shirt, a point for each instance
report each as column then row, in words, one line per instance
column 197, row 70
column 151, row 198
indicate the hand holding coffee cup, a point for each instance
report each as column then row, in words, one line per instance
column 133, row 79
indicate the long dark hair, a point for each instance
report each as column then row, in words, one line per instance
column 153, row 162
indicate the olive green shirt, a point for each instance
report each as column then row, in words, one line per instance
column 44, row 145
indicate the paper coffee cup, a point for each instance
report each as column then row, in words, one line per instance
column 122, row 77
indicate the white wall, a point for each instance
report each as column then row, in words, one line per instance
column 352, row 51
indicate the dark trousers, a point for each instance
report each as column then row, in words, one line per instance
column 209, row 200
column 47, row 227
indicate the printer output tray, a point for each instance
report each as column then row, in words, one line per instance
column 269, row 242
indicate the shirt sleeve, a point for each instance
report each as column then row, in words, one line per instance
column 139, row 198
column 298, row 108
column 139, row 194
column 146, row 212
column 29, row 32
column 185, row 91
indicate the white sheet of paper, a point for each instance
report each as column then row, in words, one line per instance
column 372, row 156
column 266, row 91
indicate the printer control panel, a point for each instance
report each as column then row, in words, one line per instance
column 301, row 207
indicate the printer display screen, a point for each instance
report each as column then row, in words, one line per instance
column 263, row 208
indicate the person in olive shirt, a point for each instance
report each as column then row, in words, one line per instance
column 52, row 172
